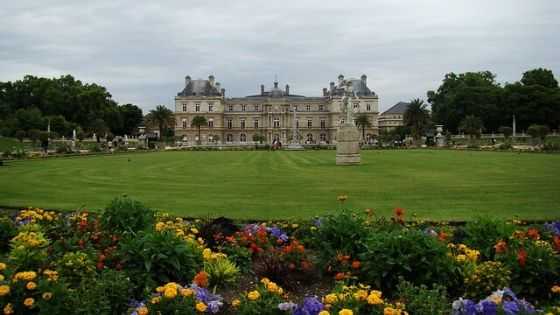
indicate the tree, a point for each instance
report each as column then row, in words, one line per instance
column 472, row 126
column 362, row 121
column 199, row 121
column 538, row 132
column 506, row 131
column 20, row 135
column 417, row 118
column 161, row 117
column 34, row 135
column 257, row 137
column 540, row 76
column 30, row 118
column 131, row 118
column 99, row 127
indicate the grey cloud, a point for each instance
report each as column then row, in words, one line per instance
column 142, row 50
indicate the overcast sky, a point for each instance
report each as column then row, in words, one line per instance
column 142, row 50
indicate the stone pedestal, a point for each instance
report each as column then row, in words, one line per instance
column 347, row 145
column 294, row 147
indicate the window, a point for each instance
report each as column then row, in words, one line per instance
column 184, row 107
column 368, row 107
column 256, row 124
column 256, row 108
column 297, row 123
column 243, row 107
column 184, row 123
column 230, row 108
column 295, row 108
column 309, row 138
column 229, row 124
column 210, row 108
column 309, row 123
column 276, row 123
column 356, row 105
column 323, row 124
column 242, row 123
column 323, row 137
column 308, row 108
column 229, row 137
column 210, row 123
column 342, row 121
column 321, row 108
column 197, row 107
column 242, row 137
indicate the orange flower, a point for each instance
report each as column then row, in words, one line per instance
column 442, row 236
column 500, row 247
column 533, row 234
column 201, row 279
column 556, row 242
column 356, row 264
column 339, row 276
column 399, row 214
column 522, row 257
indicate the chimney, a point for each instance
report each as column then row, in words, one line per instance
column 218, row 86
column 211, row 80
column 223, row 92
column 262, row 89
column 287, row 89
column 340, row 79
column 332, row 86
column 187, row 80
column 364, row 79
column 275, row 84
column 325, row 93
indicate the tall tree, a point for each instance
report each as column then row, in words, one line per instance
column 131, row 118
column 198, row 122
column 362, row 121
column 161, row 117
column 540, row 76
column 417, row 118
column 472, row 126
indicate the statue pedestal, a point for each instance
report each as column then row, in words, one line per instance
column 347, row 145
column 294, row 147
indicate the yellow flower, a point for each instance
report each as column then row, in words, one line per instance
column 194, row 231
column 160, row 226
column 272, row 287
column 142, row 310
column 187, row 292
column 170, row 292
column 461, row 258
column 160, row 289
column 207, row 254
column 201, row 307
column 389, row 311
column 472, row 254
column 51, row 275
column 47, row 296
column 361, row 295
column 265, row 281
column 254, row 295
column 235, row 303
column 555, row 289
column 324, row 313
column 31, row 285
column 1, row 277
column 29, row 302
column 374, row 299
column 156, row 300
column 2, row 266
column 345, row 311
column 8, row 309
column 4, row 290
column 330, row 298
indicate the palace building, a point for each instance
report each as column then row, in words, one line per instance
column 269, row 115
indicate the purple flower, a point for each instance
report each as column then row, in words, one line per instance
column 312, row 305
column 464, row 307
column 278, row 233
column 486, row 307
column 553, row 227
column 511, row 308
column 317, row 222
column 214, row 306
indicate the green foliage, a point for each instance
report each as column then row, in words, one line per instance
column 362, row 122
column 484, row 232
column 506, row 131
column 472, row 126
column 125, row 215
column 106, row 294
column 29, row 248
column 158, row 257
column 221, row 272
column 420, row 300
column 410, row 254
column 417, row 118
column 7, row 232
column 538, row 132
column 533, row 277
column 540, row 76
column 485, row 278
column 74, row 266
column 266, row 303
column 162, row 117
column 198, row 122
column 20, row 135
column 240, row 256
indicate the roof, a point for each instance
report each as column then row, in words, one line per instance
column 398, row 108
column 200, row 87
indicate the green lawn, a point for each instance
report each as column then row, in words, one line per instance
column 260, row 185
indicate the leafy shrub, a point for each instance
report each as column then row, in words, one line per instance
column 534, row 267
column 410, row 254
column 29, row 248
column 264, row 299
column 423, row 301
column 221, row 271
column 7, row 232
column 485, row 276
column 106, row 294
column 74, row 266
column 483, row 233
column 124, row 215
column 157, row 257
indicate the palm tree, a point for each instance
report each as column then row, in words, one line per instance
column 471, row 125
column 417, row 117
column 162, row 117
column 362, row 121
column 199, row 121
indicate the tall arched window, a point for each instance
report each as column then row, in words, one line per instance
column 229, row 137
column 243, row 137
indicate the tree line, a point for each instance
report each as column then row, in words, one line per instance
column 30, row 105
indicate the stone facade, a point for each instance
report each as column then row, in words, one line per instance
column 269, row 113
column 393, row 117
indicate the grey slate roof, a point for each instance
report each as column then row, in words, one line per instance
column 398, row 108
column 200, row 87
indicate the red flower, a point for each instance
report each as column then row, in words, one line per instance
column 442, row 236
column 399, row 214
column 340, row 276
column 533, row 234
column 500, row 247
column 201, row 279
column 522, row 257
column 356, row 264
column 556, row 242
column 100, row 265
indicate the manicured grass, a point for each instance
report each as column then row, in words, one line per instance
column 450, row 185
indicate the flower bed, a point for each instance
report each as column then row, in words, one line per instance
column 130, row 260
